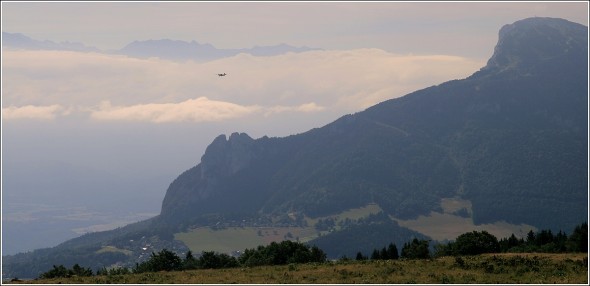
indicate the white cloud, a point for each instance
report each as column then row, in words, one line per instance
column 201, row 109
column 197, row 110
column 33, row 112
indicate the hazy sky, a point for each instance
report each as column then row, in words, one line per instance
column 147, row 117
column 418, row 27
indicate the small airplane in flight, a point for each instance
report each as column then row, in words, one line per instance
column 221, row 74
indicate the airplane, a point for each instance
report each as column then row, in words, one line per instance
column 221, row 74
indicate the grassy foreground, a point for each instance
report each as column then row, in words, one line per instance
column 530, row 268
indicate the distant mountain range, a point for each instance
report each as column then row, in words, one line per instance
column 20, row 41
column 166, row 49
column 511, row 140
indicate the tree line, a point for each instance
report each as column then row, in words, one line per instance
column 476, row 242
column 287, row 252
column 414, row 249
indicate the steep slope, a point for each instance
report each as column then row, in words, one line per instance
column 511, row 138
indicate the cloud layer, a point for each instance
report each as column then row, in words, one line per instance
column 33, row 112
column 51, row 84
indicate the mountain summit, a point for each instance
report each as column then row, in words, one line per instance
column 527, row 43
column 509, row 143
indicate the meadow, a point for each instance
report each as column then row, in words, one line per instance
column 233, row 239
column 505, row 268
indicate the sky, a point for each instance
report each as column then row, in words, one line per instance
column 148, row 120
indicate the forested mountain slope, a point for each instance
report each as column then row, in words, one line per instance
column 511, row 138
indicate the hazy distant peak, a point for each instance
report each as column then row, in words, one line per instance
column 181, row 50
column 276, row 50
column 20, row 41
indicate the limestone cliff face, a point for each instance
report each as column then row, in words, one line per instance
column 223, row 158
column 226, row 157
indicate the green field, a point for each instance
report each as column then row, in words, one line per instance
column 531, row 268
column 439, row 226
column 239, row 238
column 113, row 249
column 233, row 239
column 447, row 226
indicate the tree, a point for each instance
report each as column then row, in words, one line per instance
column 417, row 249
column 442, row 249
column 213, row 260
column 392, row 251
column 164, row 260
column 544, row 237
column 560, row 242
column 62, row 271
column 375, row 255
column 81, row 271
column 57, row 271
column 506, row 244
column 360, row 256
column 472, row 243
column 383, row 254
column 282, row 253
column 189, row 261
column 578, row 240
column 317, row 255
column 513, row 241
column 530, row 237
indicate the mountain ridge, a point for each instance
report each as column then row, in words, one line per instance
column 414, row 134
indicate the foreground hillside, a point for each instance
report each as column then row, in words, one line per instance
column 531, row 268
